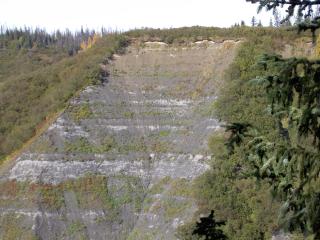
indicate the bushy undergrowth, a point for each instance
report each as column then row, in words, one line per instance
column 247, row 206
column 38, row 82
column 92, row 191
column 197, row 33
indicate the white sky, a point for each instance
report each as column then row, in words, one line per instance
column 126, row 14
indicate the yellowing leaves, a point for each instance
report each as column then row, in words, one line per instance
column 90, row 42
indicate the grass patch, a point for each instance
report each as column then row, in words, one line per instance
column 92, row 192
column 109, row 143
column 43, row 145
column 153, row 113
column 173, row 207
column 164, row 133
column 206, row 110
column 13, row 228
column 128, row 114
column 75, row 227
column 159, row 187
column 141, row 234
column 130, row 191
column 18, row 194
column 160, row 147
column 181, row 187
column 82, row 145
column 79, row 112
column 51, row 196
column 137, row 145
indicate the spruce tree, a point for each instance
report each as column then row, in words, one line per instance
column 290, row 164
column 270, row 23
column 253, row 22
column 208, row 228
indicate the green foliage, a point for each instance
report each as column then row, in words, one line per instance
column 51, row 196
column 300, row 8
column 75, row 227
column 209, row 228
column 36, row 83
column 173, row 208
column 185, row 232
column 91, row 191
column 248, row 207
column 160, row 185
column 164, row 133
column 293, row 91
column 13, row 227
column 138, row 145
column 290, row 163
column 181, row 187
column 249, row 210
column 160, row 146
column 82, row 145
column 186, row 35
column 128, row 114
column 240, row 101
column 79, row 112
column 27, row 38
column 238, row 131
column 109, row 143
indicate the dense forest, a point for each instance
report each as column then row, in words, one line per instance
column 28, row 38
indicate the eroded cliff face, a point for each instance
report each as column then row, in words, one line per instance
column 120, row 162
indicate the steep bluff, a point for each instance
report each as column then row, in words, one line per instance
column 120, row 161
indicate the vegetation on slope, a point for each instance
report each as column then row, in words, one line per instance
column 37, row 82
column 289, row 163
column 186, row 35
column 28, row 38
column 247, row 206
column 91, row 192
column 38, row 74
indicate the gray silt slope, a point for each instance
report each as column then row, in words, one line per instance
column 145, row 130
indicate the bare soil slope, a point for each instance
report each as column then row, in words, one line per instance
column 120, row 162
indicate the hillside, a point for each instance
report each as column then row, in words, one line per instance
column 37, row 82
column 126, row 158
column 128, row 145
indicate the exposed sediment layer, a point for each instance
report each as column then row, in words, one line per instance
column 120, row 161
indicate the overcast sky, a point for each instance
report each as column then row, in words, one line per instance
column 126, row 14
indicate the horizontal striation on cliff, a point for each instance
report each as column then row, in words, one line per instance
column 120, row 162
